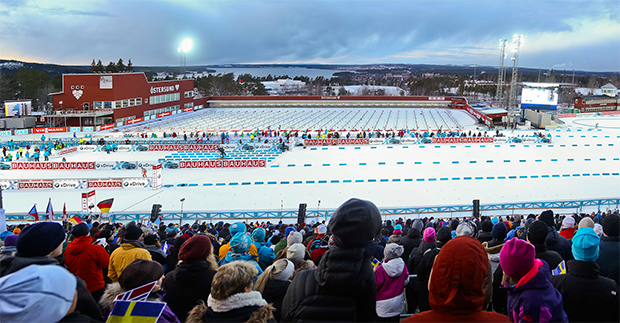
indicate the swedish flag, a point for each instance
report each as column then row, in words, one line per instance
column 135, row 312
column 375, row 262
column 560, row 270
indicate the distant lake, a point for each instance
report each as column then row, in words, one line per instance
column 279, row 71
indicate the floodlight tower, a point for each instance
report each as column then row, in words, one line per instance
column 500, row 76
column 517, row 40
column 186, row 46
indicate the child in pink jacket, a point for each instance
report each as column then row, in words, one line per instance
column 391, row 276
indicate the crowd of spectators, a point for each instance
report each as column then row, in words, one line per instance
column 356, row 267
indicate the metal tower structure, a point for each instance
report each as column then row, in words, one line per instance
column 512, row 103
column 501, row 76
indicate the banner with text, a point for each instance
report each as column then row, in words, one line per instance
column 223, row 163
column 333, row 141
column 183, row 147
column 53, row 165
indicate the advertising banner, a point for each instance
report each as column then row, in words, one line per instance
column 164, row 114
column 21, row 132
column 136, row 120
column 9, row 184
column 67, row 150
column 333, row 141
column 26, row 184
column 88, row 129
column 460, row 140
column 87, row 148
column 182, row 147
column 157, row 177
column 75, row 129
column 223, row 163
column 124, row 147
column 49, row 130
column 106, row 126
column 136, row 182
column 87, row 200
column 53, row 165
column 75, row 184
column 375, row 141
column 187, row 109
column 105, row 183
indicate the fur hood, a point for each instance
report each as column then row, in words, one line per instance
column 492, row 250
column 306, row 265
column 264, row 314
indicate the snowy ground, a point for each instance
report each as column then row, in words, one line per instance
column 389, row 175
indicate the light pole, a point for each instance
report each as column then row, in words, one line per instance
column 182, row 200
column 186, row 46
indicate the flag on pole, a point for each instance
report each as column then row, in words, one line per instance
column 105, row 205
column 34, row 213
column 75, row 220
column 137, row 294
column 64, row 212
column 132, row 311
column 49, row 212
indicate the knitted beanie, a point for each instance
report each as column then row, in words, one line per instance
column 140, row 272
column 196, row 248
column 611, row 225
column 39, row 239
column 237, row 227
column 429, row 235
column 258, row 235
column 393, row 251
column 295, row 252
column 568, row 223
column 293, row 238
column 586, row 223
column 240, row 243
column 547, row 217
column 585, row 245
column 517, row 258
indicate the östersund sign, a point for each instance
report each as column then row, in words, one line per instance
column 164, row 89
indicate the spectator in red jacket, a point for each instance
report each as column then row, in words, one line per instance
column 87, row 260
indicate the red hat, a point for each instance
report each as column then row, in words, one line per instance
column 196, row 248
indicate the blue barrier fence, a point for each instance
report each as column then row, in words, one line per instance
column 325, row 214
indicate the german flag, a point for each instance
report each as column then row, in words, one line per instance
column 105, row 205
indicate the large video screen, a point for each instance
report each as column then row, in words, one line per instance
column 17, row 108
column 540, row 96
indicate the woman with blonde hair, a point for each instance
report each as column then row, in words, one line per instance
column 232, row 298
column 274, row 282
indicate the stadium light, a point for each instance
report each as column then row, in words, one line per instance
column 187, row 44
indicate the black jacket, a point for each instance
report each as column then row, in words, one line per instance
column 559, row 244
column 189, row 283
column 423, row 270
column 409, row 242
column 608, row 259
column 552, row 258
column 342, row 288
column 415, row 257
column 274, row 293
column 587, row 296
column 85, row 302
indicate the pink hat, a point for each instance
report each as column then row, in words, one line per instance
column 517, row 258
column 429, row 235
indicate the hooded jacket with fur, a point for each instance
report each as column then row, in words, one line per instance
column 391, row 277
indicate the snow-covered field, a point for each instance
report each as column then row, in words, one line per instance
column 573, row 167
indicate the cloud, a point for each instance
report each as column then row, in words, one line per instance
column 331, row 32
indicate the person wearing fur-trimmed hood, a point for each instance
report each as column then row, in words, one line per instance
column 391, row 276
column 232, row 298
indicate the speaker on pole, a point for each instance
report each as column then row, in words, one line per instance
column 476, row 209
column 301, row 215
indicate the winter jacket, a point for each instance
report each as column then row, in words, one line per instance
column 78, row 317
column 313, row 239
column 172, row 259
column 317, row 253
column 157, row 254
column 85, row 302
column 279, row 246
column 534, row 299
column 189, row 283
column 391, row 276
column 274, row 293
column 342, row 288
column 559, row 244
column 423, row 270
column 375, row 249
column 224, row 249
column 568, row 233
column 266, row 256
column 123, row 256
column 409, row 242
column 552, row 258
column 87, row 261
column 608, row 260
column 241, row 307
column 587, row 296
column 230, row 257
column 112, row 290
column 415, row 257
column 466, row 270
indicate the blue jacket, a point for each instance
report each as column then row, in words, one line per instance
column 536, row 300
column 266, row 256
column 231, row 256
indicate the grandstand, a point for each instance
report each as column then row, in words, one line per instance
column 306, row 118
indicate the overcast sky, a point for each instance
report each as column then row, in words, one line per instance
column 581, row 35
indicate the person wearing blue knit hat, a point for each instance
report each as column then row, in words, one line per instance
column 494, row 220
column 237, row 227
column 240, row 245
column 266, row 255
column 587, row 296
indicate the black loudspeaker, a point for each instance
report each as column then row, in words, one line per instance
column 301, row 215
column 155, row 212
column 476, row 210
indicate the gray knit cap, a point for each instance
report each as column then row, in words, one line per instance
column 393, row 251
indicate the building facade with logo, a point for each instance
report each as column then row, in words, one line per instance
column 607, row 101
column 106, row 100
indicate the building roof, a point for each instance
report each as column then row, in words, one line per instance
column 609, row 86
column 595, row 97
